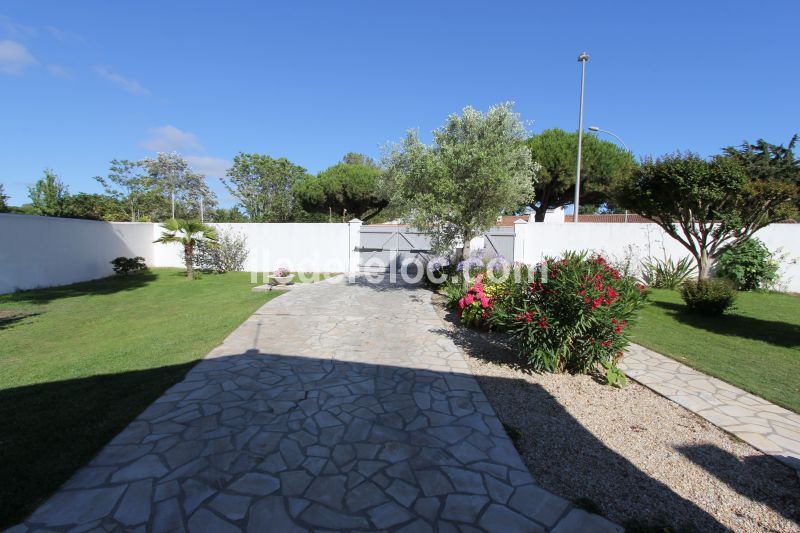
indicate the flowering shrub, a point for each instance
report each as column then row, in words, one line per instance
column 438, row 263
column 474, row 308
column 472, row 264
column 574, row 316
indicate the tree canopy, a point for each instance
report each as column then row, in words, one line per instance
column 264, row 186
column 604, row 165
column 130, row 185
column 476, row 168
column 170, row 175
column 95, row 207
column 708, row 205
column 348, row 189
column 3, row 199
column 49, row 196
column 770, row 165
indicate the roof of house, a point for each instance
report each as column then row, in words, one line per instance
column 508, row 220
column 619, row 218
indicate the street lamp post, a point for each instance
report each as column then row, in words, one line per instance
column 598, row 130
column 583, row 59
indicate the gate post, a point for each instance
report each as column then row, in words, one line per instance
column 520, row 232
column 353, row 245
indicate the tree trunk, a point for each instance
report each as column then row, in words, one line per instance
column 704, row 265
column 466, row 249
column 189, row 252
column 539, row 214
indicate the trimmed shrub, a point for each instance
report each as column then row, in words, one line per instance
column 128, row 265
column 749, row 266
column 574, row 316
column 708, row 296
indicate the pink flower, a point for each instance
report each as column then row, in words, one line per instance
column 468, row 299
column 485, row 302
column 461, row 303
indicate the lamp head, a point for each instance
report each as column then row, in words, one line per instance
column 583, row 57
column 594, row 128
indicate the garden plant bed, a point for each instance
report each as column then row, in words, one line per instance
column 79, row 362
column 630, row 455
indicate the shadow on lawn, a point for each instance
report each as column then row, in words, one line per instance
column 110, row 285
column 770, row 331
column 49, row 430
column 9, row 318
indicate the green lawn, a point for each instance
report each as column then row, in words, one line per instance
column 78, row 363
column 757, row 347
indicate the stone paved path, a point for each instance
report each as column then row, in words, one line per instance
column 767, row 427
column 335, row 407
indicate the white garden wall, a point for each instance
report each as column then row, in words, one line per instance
column 641, row 241
column 44, row 251
column 298, row 247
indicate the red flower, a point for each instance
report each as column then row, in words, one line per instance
column 606, row 344
column 542, row 322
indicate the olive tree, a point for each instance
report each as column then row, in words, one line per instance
column 476, row 169
column 708, row 205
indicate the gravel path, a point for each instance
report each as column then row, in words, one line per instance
column 630, row 455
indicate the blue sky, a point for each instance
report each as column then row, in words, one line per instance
column 84, row 82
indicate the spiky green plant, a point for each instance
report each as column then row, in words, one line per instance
column 189, row 233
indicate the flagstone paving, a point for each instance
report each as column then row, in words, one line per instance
column 766, row 426
column 335, row 407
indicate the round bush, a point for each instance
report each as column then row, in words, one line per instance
column 749, row 266
column 708, row 296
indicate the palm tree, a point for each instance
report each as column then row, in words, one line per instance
column 189, row 233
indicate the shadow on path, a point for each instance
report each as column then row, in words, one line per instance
column 49, row 430
column 657, row 505
column 740, row 475
column 294, row 442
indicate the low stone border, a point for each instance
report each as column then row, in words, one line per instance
column 765, row 426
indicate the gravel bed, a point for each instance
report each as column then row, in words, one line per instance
column 630, row 455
